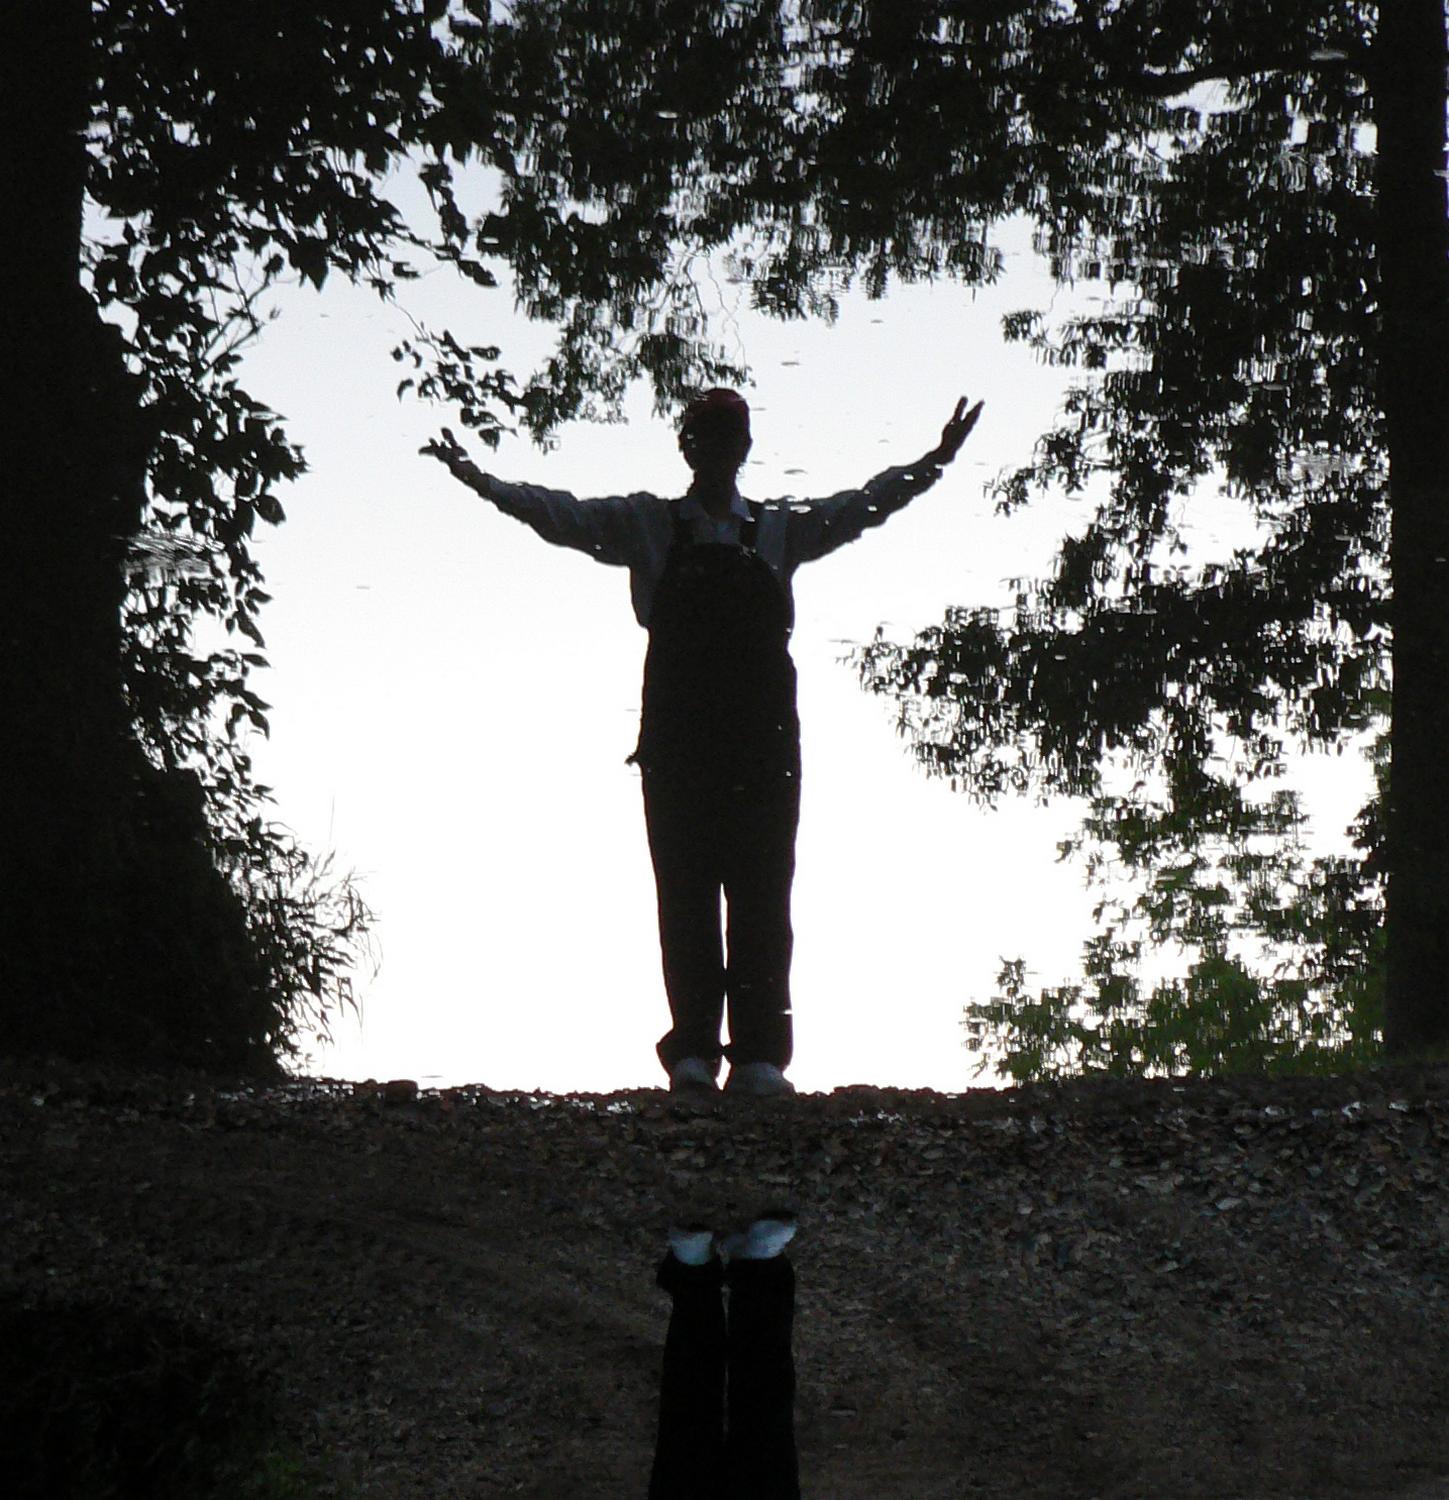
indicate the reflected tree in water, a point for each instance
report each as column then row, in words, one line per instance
column 1275, row 316
column 165, row 164
column 1238, row 339
column 1272, row 284
column 1213, row 168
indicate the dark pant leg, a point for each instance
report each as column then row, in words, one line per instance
column 684, row 828
column 689, row 1451
column 759, row 868
column 760, row 1457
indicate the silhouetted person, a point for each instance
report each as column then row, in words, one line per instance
column 719, row 739
column 727, row 1388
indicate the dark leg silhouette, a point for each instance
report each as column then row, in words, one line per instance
column 706, row 841
column 758, row 870
column 689, row 1453
column 684, row 826
column 760, row 1458
column 694, row 1459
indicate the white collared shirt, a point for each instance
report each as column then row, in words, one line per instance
column 705, row 528
column 636, row 531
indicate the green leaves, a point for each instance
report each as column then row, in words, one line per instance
column 1282, row 957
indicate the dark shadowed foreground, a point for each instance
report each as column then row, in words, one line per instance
column 1207, row 1290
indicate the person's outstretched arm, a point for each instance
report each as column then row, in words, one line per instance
column 612, row 530
column 820, row 526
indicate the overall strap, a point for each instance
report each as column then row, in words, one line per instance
column 680, row 538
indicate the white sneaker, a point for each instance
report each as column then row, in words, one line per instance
column 762, row 1079
column 692, row 1244
column 764, row 1239
column 691, row 1073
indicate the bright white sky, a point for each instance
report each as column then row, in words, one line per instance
column 453, row 700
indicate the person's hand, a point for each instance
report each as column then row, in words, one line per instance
column 446, row 448
column 955, row 432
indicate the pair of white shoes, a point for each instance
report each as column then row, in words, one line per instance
column 764, row 1239
column 762, row 1079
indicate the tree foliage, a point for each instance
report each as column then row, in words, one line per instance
column 1208, row 168
column 627, row 151
column 1236, row 342
column 1232, row 952
column 231, row 148
column 224, row 149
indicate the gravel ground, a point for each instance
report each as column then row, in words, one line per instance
column 1168, row 1290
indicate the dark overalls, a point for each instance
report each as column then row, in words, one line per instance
column 719, row 747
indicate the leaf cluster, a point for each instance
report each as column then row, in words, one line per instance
column 231, row 148
column 1234, row 248
column 1281, row 956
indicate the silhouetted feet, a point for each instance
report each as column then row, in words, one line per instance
column 763, row 1239
column 762, row 1079
column 692, row 1073
column 692, row 1244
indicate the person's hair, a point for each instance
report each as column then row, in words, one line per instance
column 718, row 417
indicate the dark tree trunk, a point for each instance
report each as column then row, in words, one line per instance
column 59, row 602
column 117, row 935
column 1413, row 238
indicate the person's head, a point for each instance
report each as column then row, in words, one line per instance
column 714, row 433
